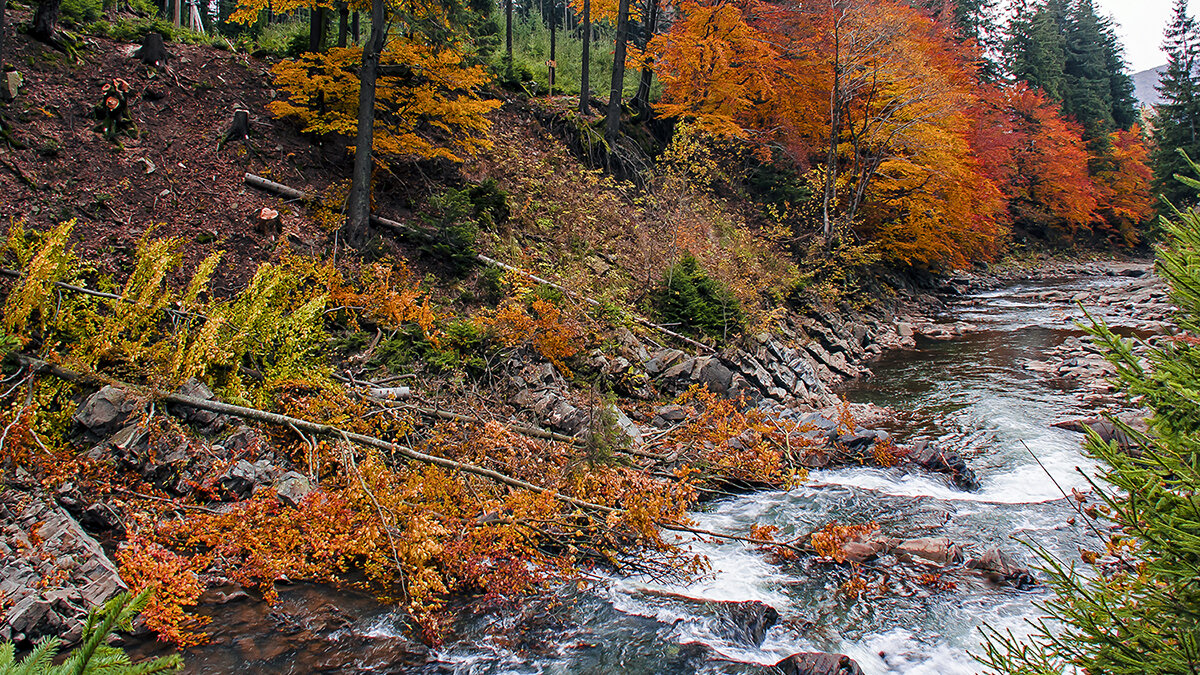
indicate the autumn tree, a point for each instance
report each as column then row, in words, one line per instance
column 410, row 93
column 612, row 122
column 1123, row 181
column 1050, row 191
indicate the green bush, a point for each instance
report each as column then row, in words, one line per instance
column 490, row 203
column 94, row 656
column 1138, row 610
column 452, row 229
column 699, row 304
column 80, row 12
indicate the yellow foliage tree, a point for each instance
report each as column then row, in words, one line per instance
column 426, row 105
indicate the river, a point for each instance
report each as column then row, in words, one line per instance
column 971, row 394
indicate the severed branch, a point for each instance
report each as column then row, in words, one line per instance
column 39, row 366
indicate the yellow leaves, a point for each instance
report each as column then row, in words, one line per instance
column 33, row 296
column 432, row 111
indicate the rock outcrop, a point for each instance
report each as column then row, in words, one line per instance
column 54, row 572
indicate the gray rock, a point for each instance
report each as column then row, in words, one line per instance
column 818, row 663
column 715, row 375
column 206, row 420
column 747, row 622
column 939, row 550
column 12, row 86
column 999, row 568
column 663, row 360
column 292, row 487
column 105, row 411
column 54, row 572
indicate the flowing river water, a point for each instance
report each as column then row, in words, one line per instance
column 971, row 394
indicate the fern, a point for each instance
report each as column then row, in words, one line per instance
column 94, row 656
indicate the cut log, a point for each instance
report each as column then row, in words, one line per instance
column 153, row 51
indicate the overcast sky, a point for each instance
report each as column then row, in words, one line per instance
column 1140, row 25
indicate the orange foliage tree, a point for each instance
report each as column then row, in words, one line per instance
column 1123, row 183
column 1050, row 190
column 875, row 91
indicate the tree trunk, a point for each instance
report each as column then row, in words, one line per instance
column 343, row 24
column 45, row 20
column 354, row 29
column 641, row 102
column 508, row 9
column 834, row 114
column 3, row 31
column 585, row 81
column 553, row 34
column 177, row 12
column 358, row 205
column 316, row 29
column 612, row 125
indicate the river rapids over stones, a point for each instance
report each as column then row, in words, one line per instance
column 991, row 394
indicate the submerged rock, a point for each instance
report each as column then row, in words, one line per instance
column 817, row 663
column 747, row 621
column 938, row 550
column 944, row 461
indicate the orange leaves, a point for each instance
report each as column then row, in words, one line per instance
column 540, row 323
column 1050, row 186
column 829, row 540
column 1123, row 181
column 388, row 295
column 717, row 68
column 177, row 585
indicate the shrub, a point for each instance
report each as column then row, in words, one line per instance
column 453, row 230
column 699, row 304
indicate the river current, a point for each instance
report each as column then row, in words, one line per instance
column 972, row 394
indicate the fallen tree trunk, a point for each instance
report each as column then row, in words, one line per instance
column 292, row 193
column 330, row 431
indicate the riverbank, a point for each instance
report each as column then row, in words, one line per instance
column 811, row 354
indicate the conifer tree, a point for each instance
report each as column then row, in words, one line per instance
column 1036, row 48
column 1136, row 612
column 1177, row 118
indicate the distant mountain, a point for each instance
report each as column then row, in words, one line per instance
column 1144, row 84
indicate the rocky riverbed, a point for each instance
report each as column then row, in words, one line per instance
column 791, row 371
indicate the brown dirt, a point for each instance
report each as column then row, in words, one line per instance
column 195, row 192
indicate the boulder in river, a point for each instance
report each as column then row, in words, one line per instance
column 1108, row 431
column 999, row 568
column 949, row 462
column 747, row 621
column 938, row 550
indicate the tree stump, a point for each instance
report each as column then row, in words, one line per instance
column 239, row 128
column 268, row 222
column 112, row 112
column 153, row 51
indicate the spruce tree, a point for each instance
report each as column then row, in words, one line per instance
column 1036, row 48
column 1177, row 117
column 1138, row 610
